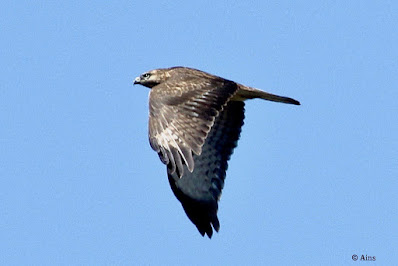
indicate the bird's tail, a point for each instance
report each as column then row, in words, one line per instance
column 245, row 92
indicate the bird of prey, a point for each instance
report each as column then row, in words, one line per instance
column 195, row 121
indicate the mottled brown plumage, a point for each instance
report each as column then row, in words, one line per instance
column 195, row 120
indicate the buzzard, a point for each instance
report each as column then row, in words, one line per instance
column 195, row 121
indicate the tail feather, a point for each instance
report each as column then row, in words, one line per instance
column 251, row 93
column 276, row 98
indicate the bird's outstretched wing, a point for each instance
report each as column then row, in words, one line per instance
column 200, row 190
column 182, row 111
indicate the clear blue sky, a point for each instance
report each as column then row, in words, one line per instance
column 314, row 184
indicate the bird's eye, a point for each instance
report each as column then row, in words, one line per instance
column 146, row 75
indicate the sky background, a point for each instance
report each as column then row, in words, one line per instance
column 309, row 184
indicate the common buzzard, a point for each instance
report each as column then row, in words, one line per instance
column 195, row 120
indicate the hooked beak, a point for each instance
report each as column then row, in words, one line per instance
column 137, row 80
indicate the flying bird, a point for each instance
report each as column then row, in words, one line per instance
column 195, row 121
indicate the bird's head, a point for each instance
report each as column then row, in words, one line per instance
column 152, row 78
